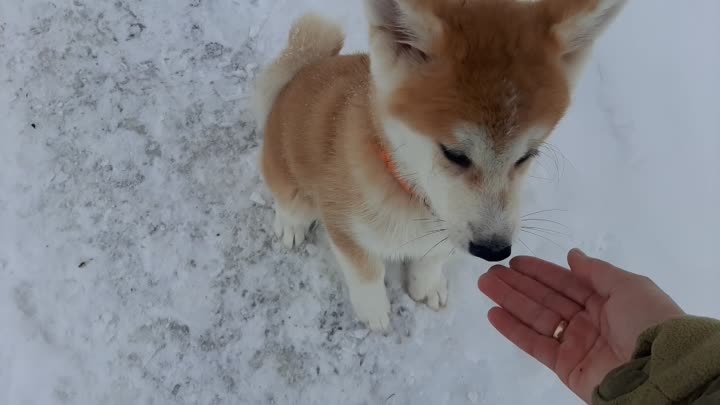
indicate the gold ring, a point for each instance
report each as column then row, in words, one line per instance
column 560, row 331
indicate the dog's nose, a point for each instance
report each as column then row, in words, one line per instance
column 492, row 251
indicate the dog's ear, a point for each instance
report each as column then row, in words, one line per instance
column 403, row 30
column 576, row 24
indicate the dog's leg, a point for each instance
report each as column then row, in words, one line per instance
column 426, row 282
column 294, row 211
column 365, row 278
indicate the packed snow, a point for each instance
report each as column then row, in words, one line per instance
column 137, row 262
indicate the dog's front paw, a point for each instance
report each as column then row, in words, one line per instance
column 372, row 307
column 291, row 231
column 375, row 315
column 433, row 291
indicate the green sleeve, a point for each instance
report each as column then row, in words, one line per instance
column 676, row 363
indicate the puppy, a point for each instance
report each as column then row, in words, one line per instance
column 418, row 149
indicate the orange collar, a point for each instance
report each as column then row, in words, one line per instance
column 387, row 158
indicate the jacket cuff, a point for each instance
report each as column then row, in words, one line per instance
column 673, row 362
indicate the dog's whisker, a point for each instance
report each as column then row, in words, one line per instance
column 429, row 220
column 548, row 227
column 423, row 236
column 557, row 151
column 545, row 170
column 546, row 179
column 526, row 246
column 545, row 220
column 436, row 245
column 546, row 230
column 544, row 211
column 554, row 159
column 397, row 148
column 544, row 237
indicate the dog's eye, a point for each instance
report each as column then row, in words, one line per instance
column 533, row 153
column 456, row 157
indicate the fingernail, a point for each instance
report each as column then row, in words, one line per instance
column 578, row 252
column 497, row 267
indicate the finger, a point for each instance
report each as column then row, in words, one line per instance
column 541, row 319
column 542, row 348
column 602, row 276
column 581, row 338
column 553, row 276
column 540, row 293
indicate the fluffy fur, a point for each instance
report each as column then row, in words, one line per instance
column 482, row 82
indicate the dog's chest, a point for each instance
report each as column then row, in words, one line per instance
column 403, row 235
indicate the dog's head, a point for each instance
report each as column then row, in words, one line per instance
column 468, row 90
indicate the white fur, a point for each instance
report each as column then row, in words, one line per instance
column 291, row 228
column 395, row 235
column 426, row 282
column 369, row 298
column 468, row 214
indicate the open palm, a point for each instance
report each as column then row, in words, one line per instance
column 606, row 310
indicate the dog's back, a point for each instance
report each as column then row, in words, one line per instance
column 302, row 100
column 305, row 125
column 312, row 103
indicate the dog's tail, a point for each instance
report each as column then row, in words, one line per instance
column 312, row 39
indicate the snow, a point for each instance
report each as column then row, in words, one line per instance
column 136, row 262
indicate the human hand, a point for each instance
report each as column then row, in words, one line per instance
column 606, row 310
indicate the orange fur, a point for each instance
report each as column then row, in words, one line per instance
column 494, row 66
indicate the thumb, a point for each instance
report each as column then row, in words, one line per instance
column 603, row 277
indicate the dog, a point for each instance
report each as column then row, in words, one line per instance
column 417, row 150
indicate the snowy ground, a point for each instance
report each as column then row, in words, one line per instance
column 136, row 266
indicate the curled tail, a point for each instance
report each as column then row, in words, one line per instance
column 312, row 39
